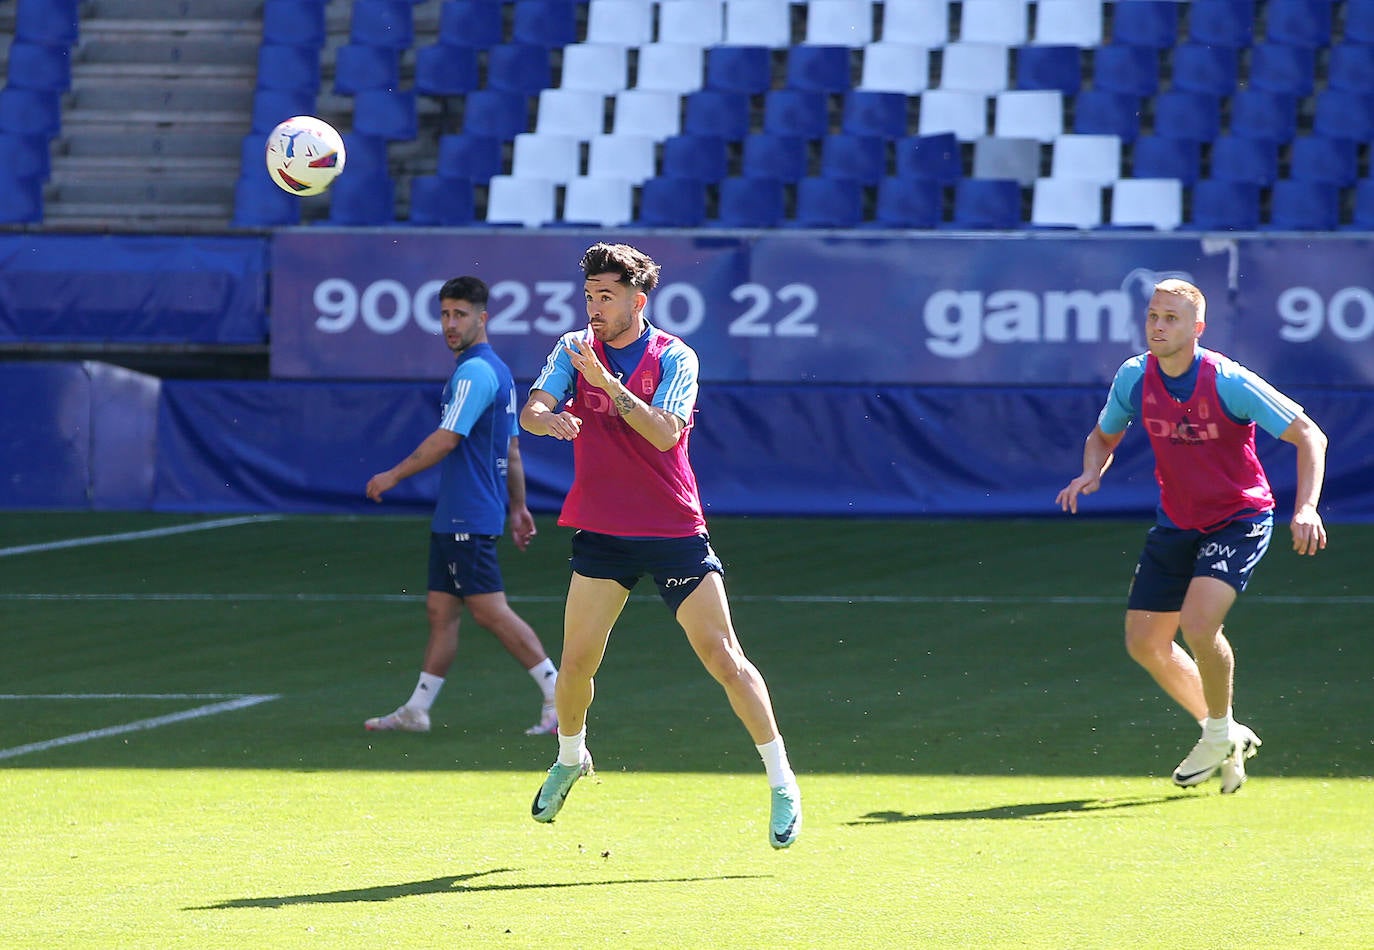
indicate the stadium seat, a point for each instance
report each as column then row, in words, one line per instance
column 1094, row 158
column 1228, row 23
column 367, row 154
column 21, row 199
column 922, row 23
column 388, row 23
column 907, row 203
column 1304, row 206
column 358, row 67
column 1147, row 202
column 770, row 155
column 700, row 157
column 1237, row 158
column 749, row 203
column 1225, row 206
column 986, row 204
column 46, row 22
column 362, row 201
column 758, row 23
column 595, row 67
column 839, row 22
column 439, row 201
column 696, row 22
column 628, row 23
column 1351, row 67
column 1359, row 21
column 1320, row 158
column 1050, row 67
column 258, row 203
column 284, row 67
column 1069, row 22
column 548, row 23
column 527, row 202
column 1030, row 114
column 1066, row 203
column 828, row 203
column 604, row 202
column 1107, row 113
column 289, row 23
column 1133, row 70
column 1004, row 22
column 1279, row 68
column 860, row 158
column 630, row 157
column 747, row 69
column 930, row 156
column 895, row 67
column 1152, row 23
column 555, row 158
column 476, row 23
column 1209, row 69
column 386, row 113
column 795, row 112
column 1363, row 216
column 1343, row 114
column 36, row 66
column 671, row 67
column 29, row 156
column 1258, row 114
column 519, row 67
column 881, row 114
column 818, row 68
column 465, row 155
column 574, row 112
column 714, row 112
column 1187, row 115
column 672, row 203
column 1305, row 23
column 976, row 67
column 498, row 113
column 647, row 112
column 445, row 70
column 999, row 157
column 1163, row 156
column 965, row 114
column 270, row 106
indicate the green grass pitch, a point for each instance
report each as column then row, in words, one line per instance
column 981, row 763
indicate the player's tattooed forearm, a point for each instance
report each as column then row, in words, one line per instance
column 624, row 403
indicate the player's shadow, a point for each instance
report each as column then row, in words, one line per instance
column 450, row 883
column 1029, row 810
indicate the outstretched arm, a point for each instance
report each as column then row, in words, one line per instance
column 1098, row 451
column 1309, row 533
column 430, row 452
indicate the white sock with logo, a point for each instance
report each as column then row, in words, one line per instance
column 546, row 675
column 570, row 748
column 426, row 691
column 774, row 755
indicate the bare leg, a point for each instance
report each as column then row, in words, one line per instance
column 493, row 612
column 1204, row 611
column 592, row 608
column 445, row 611
column 1150, row 640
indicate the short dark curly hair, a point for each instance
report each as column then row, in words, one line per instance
column 635, row 268
column 472, row 289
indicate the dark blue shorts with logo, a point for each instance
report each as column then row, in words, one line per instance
column 1174, row 556
column 677, row 565
column 464, row 564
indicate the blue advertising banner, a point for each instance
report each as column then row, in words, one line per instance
column 781, row 307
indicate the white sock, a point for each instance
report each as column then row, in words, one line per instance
column 546, row 675
column 1217, row 728
column 774, row 755
column 570, row 748
column 426, row 691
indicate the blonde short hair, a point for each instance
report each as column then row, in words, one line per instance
column 1190, row 293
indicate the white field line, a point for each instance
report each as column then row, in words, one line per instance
column 135, row 535
column 239, row 702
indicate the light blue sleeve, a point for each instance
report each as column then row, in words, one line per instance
column 1119, row 410
column 677, row 389
column 474, row 386
column 1249, row 398
column 558, row 378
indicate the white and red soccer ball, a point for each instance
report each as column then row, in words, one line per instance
column 305, row 155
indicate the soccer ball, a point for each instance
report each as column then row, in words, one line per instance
column 304, row 155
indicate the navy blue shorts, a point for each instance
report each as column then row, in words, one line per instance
column 1174, row 556
column 677, row 565
column 464, row 564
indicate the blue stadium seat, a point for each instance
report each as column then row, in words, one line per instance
column 388, row 23
column 1351, row 67
column 715, row 112
column 46, row 22
column 1305, row 23
column 442, row 69
column 1133, row 70
column 36, row 66
column 819, row 68
column 749, row 203
column 1188, row 115
column 796, row 112
column 1224, row 206
column 1304, row 206
column 1152, row 23
column 21, row 199
column 358, row 67
column 672, row 203
column 1320, row 158
column 439, row 201
column 519, row 67
column 476, row 23
column 259, row 203
column 1341, row 113
column 29, row 156
column 1162, row 156
column 1260, row 114
column 699, row 157
column 983, row 204
column 496, row 112
column 1209, row 69
column 1279, row 68
column 861, row 158
column 1237, row 158
column 551, row 23
column 1363, row 217
column 1359, row 21
column 1050, row 67
column 907, row 203
column 465, row 155
column 271, row 106
column 828, row 203
column 769, row 155
column 746, row 69
column 289, row 23
column 934, row 157
column 386, row 113
column 367, row 154
column 1107, row 113
column 362, row 201
column 1229, row 23
column 288, row 67
column 882, row 114
column 31, row 112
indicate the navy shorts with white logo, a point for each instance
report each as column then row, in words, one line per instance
column 1174, row 556
column 677, row 565
column 464, row 564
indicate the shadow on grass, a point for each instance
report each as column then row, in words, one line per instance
column 1030, row 810
column 451, row 883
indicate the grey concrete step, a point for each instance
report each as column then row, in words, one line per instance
column 212, row 170
column 241, row 50
column 116, row 140
column 148, row 96
column 135, row 193
column 171, row 9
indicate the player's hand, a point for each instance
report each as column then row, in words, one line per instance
column 1309, row 533
column 379, row 484
column 522, row 529
column 1067, row 499
column 585, row 361
column 563, row 426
